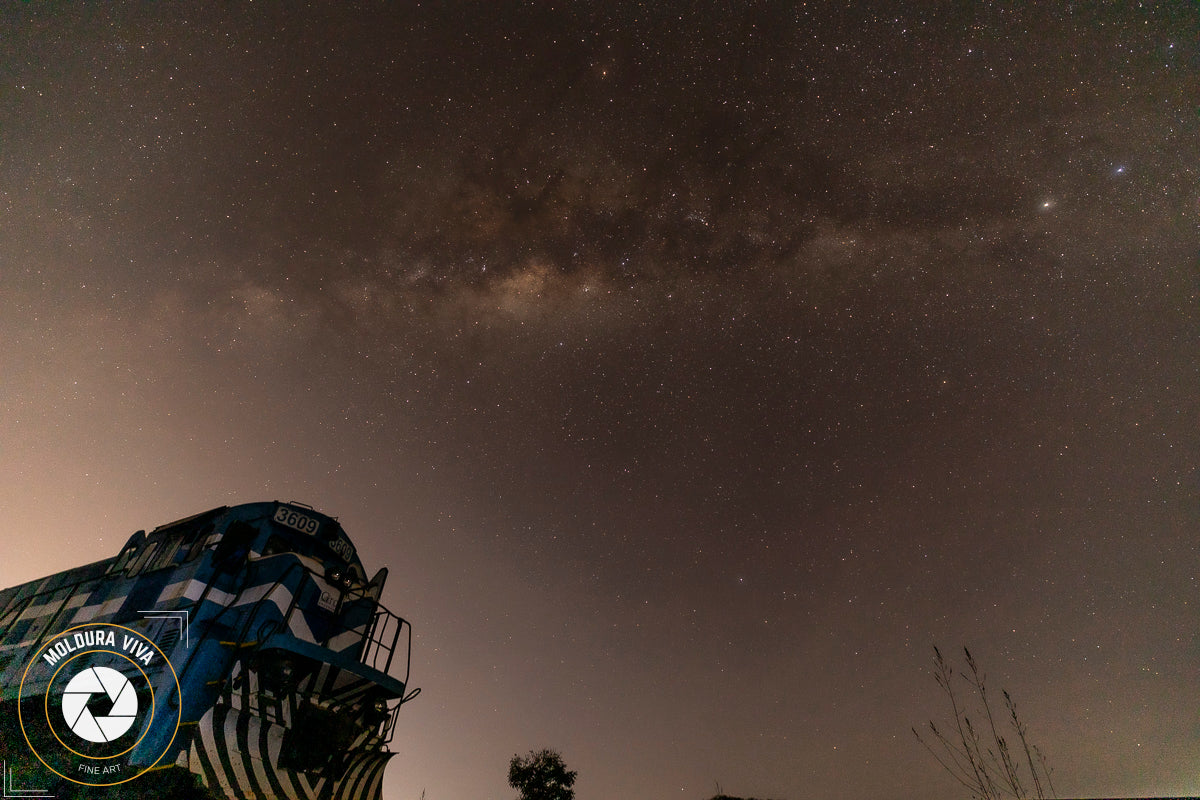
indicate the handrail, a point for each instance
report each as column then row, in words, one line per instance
column 374, row 635
column 207, row 629
column 257, row 603
column 246, row 626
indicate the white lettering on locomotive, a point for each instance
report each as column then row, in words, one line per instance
column 285, row 515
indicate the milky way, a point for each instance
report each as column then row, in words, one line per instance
column 694, row 369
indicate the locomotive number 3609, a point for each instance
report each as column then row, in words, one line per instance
column 294, row 519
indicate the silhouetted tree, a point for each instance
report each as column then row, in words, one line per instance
column 975, row 753
column 541, row 775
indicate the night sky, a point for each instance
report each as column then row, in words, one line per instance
column 694, row 367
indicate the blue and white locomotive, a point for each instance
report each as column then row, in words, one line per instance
column 280, row 674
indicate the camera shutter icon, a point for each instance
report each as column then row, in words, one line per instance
column 79, row 692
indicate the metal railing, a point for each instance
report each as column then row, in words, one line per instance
column 379, row 637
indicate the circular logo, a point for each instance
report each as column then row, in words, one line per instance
column 101, row 682
column 99, row 704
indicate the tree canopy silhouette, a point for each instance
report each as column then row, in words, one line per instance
column 541, row 775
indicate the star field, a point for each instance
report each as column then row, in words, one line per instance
column 693, row 369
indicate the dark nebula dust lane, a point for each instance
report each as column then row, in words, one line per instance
column 693, row 368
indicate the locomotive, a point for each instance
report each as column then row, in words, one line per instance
column 244, row 644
